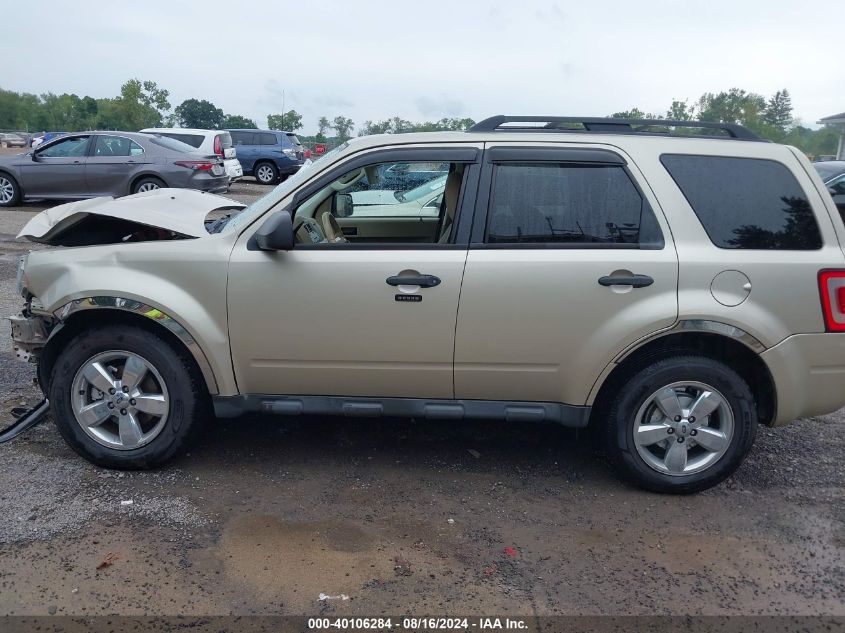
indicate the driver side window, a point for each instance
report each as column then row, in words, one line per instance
column 69, row 147
column 384, row 203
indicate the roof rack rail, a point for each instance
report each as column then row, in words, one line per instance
column 610, row 126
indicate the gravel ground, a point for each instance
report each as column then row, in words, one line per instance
column 265, row 515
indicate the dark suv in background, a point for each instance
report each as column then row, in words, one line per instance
column 268, row 154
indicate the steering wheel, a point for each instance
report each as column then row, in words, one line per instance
column 332, row 230
column 347, row 180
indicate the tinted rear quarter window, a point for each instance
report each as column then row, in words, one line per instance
column 265, row 138
column 225, row 140
column 172, row 144
column 194, row 140
column 572, row 204
column 746, row 203
column 243, row 138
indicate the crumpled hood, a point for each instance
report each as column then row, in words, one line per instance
column 182, row 211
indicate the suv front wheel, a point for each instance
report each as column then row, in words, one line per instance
column 122, row 397
column 681, row 425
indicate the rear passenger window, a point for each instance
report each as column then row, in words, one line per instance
column 746, row 203
column 579, row 204
column 243, row 138
column 267, row 139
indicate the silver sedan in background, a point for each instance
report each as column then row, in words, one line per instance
column 92, row 164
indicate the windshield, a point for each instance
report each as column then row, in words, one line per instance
column 829, row 169
column 423, row 190
column 248, row 214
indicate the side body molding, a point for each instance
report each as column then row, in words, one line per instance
column 150, row 312
column 703, row 326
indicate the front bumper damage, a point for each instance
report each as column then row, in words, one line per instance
column 30, row 331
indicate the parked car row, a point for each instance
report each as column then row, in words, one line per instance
column 12, row 140
column 217, row 142
column 267, row 154
column 91, row 164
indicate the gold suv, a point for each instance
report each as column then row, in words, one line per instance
column 671, row 284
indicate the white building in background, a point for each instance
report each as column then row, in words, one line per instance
column 839, row 120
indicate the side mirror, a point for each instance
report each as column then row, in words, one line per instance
column 35, row 157
column 276, row 234
column 343, row 205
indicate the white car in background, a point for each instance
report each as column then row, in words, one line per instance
column 424, row 200
column 208, row 142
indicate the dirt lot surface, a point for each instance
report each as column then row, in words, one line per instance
column 328, row 516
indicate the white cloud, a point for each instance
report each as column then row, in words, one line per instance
column 378, row 59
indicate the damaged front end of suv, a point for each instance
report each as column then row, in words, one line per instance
column 109, row 281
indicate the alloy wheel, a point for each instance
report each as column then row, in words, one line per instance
column 264, row 173
column 148, row 186
column 120, row 400
column 7, row 190
column 683, row 428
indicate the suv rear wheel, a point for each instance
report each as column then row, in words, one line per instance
column 681, row 425
column 266, row 173
column 122, row 397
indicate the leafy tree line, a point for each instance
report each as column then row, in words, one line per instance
column 140, row 104
column 770, row 118
column 143, row 104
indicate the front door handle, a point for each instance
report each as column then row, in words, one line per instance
column 637, row 281
column 424, row 281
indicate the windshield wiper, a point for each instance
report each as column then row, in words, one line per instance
column 217, row 225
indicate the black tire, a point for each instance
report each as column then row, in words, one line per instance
column 6, row 182
column 620, row 421
column 189, row 403
column 266, row 167
column 151, row 181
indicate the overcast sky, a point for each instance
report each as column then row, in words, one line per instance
column 428, row 59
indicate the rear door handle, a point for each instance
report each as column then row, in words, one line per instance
column 637, row 281
column 424, row 281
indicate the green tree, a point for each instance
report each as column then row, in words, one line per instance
column 237, row 122
column 778, row 111
column 633, row 113
column 343, row 127
column 397, row 125
column 290, row 121
column 200, row 114
column 734, row 106
column 140, row 104
column 323, row 126
column 68, row 112
column 681, row 111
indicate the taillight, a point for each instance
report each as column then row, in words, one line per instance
column 198, row 165
column 832, row 290
column 218, row 146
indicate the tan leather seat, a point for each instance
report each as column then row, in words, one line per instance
column 450, row 199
